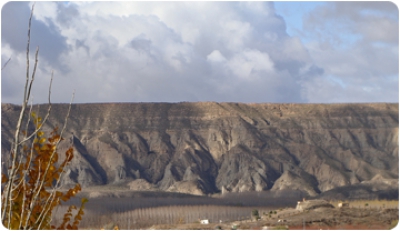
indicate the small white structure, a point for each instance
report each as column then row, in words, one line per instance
column 204, row 222
column 312, row 204
column 343, row 205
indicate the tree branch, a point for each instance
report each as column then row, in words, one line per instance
column 33, row 75
column 40, row 186
column 14, row 152
column 47, row 206
column 46, row 116
column 5, row 64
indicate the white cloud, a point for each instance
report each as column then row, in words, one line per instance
column 234, row 34
column 293, row 49
column 216, row 56
column 45, row 12
column 380, row 29
column 190, row 51
column 249, row 63
column 357, row 46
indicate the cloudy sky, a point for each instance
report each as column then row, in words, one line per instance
column 299, row 52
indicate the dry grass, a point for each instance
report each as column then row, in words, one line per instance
column 187, row 216
column 373, row 204
column 342, row 227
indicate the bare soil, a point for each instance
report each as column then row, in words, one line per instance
column 320, row 218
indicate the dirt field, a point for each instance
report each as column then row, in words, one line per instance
column 182, row 212
column 320, row 218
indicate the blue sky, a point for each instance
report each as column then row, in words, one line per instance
column 280, row 52
column 293, row 13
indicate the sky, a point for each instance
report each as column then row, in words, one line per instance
column 251, row 52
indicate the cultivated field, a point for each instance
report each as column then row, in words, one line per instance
column 182, row 211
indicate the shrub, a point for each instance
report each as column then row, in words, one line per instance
column 29, row 194
column 255, row 214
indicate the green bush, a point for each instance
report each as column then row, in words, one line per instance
column 255, row 213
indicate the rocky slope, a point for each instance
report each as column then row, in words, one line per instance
column 209, row 147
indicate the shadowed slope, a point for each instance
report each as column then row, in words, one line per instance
column 203, row 147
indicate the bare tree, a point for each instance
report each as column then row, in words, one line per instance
column 31, row 184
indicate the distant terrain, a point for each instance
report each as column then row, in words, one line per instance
column 348, row 151
column 182, row 212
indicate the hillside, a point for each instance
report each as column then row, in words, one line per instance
column 208, row 147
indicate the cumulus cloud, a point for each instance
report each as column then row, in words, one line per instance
column 358, row 50
column 195, row 51
column 216, row 56
column 249, row 63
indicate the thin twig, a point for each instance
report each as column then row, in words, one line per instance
column 21, row 180
column 40, row 186
column 46, row 116
column 5, row 64
column 27, row 171
column 45, row 211
column 67, row 116
column 14, row 152
column 27, row 51
column 23, row 202
column 47, row 206
column 29, row 119
column 33, row 74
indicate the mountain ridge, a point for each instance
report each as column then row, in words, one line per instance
column 208, row 147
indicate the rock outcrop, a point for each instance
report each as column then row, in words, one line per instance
column 313, row 204
column 207, row 147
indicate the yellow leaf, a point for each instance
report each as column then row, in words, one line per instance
column 4, row 179
column 56, row 176
column 40, row 133
column 33, row 114
column 41, row 141
column 44, row 148
column 32, row 219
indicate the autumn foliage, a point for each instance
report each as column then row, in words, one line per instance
column 30, row 186
column 33, row 194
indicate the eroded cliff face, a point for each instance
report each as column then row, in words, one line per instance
column 211, row 147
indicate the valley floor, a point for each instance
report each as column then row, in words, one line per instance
column 184, row 212
column 322, row 218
